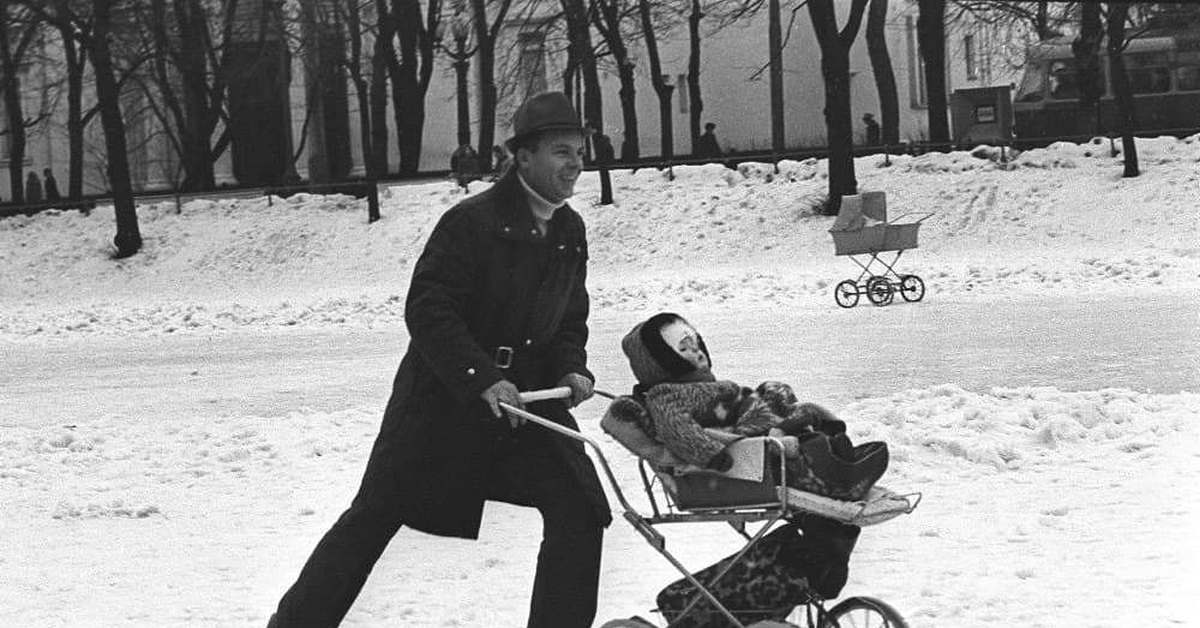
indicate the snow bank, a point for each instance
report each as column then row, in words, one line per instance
column 707, row 235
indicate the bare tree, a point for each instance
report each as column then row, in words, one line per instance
column 611, row 20
column 19, row 32
column 76, row 58
column 411, row 74
column 186, row 81
column 695, row 97
column 661, row 87
column 583, row 61
column 931, row 35
column 128, row 240
column 352, row 16
column 835, row 70
column 885, row 75
column 382, row 57
column 486, row 32
column 1118, row 15
column 1090, row 74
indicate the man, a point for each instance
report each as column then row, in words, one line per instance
column 872, row 129
column 50, row 184
column 707, row 145
column 497, row 304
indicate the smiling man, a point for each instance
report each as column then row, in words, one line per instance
column 497, row 305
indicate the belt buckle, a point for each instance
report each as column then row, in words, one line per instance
column 503, row 357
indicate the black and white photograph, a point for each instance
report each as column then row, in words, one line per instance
column 599, row 313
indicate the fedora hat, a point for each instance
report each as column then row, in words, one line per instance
column 547, row 111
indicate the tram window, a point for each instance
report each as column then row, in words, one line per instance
column 1149, row 80
column 1187, row 78
column 1064, row 82
column 1033, row 83
column 1148, row 73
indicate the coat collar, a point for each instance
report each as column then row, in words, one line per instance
column 516, row 217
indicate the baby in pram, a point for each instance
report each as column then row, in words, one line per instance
column 681, row 417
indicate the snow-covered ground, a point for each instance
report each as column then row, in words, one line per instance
column 179, row 428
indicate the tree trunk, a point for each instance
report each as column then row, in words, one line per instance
column 199, row 118
column 775, row 61
column 128, row 240
column 361, row 89
column 379, row 89
column 13, row 112
column 409, row 98
column 608, row 22
column 1086, row 49
column 835, row 70
column 695, row 101
column 75, row 124
column 485, row 35
column 931, row 33
column 885, row 76
column 1118, row 12
column 660, row 86
column 583, row 54
column 314, row 94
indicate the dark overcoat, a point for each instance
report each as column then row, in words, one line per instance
column 486, row 279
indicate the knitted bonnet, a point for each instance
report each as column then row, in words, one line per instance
column 653, row 361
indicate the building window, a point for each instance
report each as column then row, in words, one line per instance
column 681, row 85
column 969, row 57
column 916, row 68
column 1187, row 78
column 531, row 64
column 1148, row 73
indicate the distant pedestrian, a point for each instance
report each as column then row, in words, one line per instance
column 500, row 161
column 51, row 185
column 872, row 129
column 464, row 164
column 33, row 188
column 706, row 145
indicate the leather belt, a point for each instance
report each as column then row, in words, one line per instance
column 503, row 357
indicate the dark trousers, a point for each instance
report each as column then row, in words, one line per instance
column 527, row 473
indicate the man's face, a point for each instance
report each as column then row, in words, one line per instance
column 554, row 167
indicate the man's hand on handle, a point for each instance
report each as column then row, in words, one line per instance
column 506, row 392
column 581, row 388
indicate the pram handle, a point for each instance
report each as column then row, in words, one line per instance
column 561, row 392
column 923, row 216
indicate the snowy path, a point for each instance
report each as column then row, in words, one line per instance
column 205, row 468
column 1148, row 343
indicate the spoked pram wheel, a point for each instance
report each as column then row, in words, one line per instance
column 863, row 612
column 879, row 290
column 912, row 288
column 846, row 293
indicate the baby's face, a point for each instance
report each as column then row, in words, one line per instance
column 686, row 342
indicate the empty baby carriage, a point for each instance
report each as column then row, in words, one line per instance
column 862, row 228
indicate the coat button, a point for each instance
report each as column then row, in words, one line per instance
column 533, row 231
column 528, row 341
column 470, row 371
column 507, row 229
column 562, row 246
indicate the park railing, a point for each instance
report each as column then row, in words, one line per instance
column 368, row 189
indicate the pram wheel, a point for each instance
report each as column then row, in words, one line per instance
column 879, row 290
column 912, row 288
column 863, row 612
column 846, row 293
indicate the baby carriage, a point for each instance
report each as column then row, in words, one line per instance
column 862, row 228
column 745, row 494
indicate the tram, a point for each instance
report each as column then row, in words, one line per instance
column 1164, row 77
